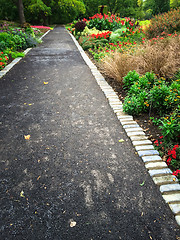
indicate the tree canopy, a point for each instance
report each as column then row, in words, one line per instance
column 63, row 11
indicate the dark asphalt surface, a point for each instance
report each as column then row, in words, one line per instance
column 72, row 179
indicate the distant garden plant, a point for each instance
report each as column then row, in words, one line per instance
column 164, row 24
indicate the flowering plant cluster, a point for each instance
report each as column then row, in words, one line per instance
column 3, row 60
column 172, row 156
column 14, row 39
column 107, row 22
column 168, row 23
column 104, row 35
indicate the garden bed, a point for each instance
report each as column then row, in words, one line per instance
column 14, row 40
column 144, row 70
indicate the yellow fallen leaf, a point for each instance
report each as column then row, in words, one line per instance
column 121, row 140
column 72, row 224
column 30, row 104
column 25, row 103
column 174, row 179
column 45, row 83
column 27, row 137
column 38, row 178
column 22, row 194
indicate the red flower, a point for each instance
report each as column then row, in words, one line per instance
column 168, row 161
column 161, row 137
column 175, row 173
column 176, row 146
column 156, row 142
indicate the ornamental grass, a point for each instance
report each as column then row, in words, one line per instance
column 159, row 55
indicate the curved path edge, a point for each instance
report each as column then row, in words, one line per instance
column 157, row 168
column 16, row 60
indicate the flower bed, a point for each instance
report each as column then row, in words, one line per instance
column 144, row 71
column 13, row 40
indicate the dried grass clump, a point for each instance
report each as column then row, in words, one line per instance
column 161, row 57
column 118, row 65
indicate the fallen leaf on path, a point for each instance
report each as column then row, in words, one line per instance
column 22, row 194
column 45, row 83
column 38, row 178
column 72, row 224
column 142, row 183
column 121, row 140
column 30, row 104
column 27, row 137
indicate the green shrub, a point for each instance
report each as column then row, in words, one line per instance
column 130, row 79
column 16, row 40
column 170, row 127
column 165, row 23
column 134, row 89
column 132, row 105
column 162, row 98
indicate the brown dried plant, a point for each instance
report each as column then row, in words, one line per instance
column 118, row 65
column 161, row 57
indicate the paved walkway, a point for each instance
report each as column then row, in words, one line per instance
column 72, row 179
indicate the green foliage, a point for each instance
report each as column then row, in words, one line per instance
column 150, row 93
column 132, row 106
column 39, row 10
column 170, row 126
column 17, row 54
column 163, row 98
column 161, row 6
column 15, row 39
column 174, row 3
column 8, row 10
column 115, row 36
column 156, row 6
column 168, row 23
column 130, row 79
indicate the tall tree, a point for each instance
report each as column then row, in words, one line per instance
column 161, row 6
column 21, row 12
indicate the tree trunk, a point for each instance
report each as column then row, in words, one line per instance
column 21, row 12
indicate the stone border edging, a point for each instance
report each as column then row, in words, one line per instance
column 157, row 168
column 16, row 60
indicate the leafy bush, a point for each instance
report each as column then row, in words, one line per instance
column 80, row 26
column 168, row 23
column 150, row 93
column 130, row 79
column 160, row 97
column 170, row 128
column 132, row 105
column 16, row 40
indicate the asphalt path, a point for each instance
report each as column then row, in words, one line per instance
column 72, row 179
